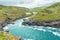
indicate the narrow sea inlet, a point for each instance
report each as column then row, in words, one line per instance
column 29, row 19
column 33, row 32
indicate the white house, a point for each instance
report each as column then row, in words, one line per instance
column 28, row 13
column 34, row 13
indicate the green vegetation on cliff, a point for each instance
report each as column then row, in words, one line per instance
column 50, row 13
column 12, row 12
column 7, row 36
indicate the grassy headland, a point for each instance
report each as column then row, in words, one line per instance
column 50, row 13
column 47, row 16
column 7, row 36
column 10, row 13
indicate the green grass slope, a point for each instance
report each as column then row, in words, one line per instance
column 37, row 9
column 4, row 36
column 51, row 13
column 12, row 12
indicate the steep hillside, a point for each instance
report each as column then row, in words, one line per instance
column 12, row 12
column 7, row 36
column 37, row 9
column 51, row 13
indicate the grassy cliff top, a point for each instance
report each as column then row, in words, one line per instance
column 7, row 36
column 12, row 12
column 51, row 13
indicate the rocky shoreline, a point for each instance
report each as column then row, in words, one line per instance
column 6, row 22
column 55, row 24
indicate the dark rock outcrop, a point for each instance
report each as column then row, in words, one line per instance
column 4, row 23
column 34, row 23
column 55, row 24
column 7, row 21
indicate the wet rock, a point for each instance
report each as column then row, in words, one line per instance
column 35, row 23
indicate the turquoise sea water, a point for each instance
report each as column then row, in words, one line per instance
column 33, row 32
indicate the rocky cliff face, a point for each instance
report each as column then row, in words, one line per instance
column 4, row 23
column 55, row 24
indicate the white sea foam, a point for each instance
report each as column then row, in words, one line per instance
column 56, row 33
column 51, row 28
column 28, row 39
column 34, row 28
column 30, row 27
column 40, row 29
column 5, row 28
column 54, row 28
